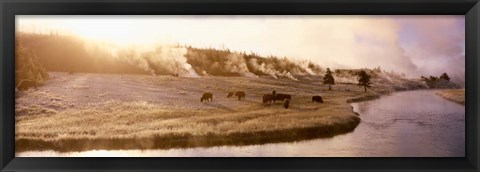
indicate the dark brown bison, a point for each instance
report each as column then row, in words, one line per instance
column 206, row 97
column 240, row 95
column 230, row 94
column 26, row 84
column 282, row 97
column 317, row 99
column 286, row 103
column 267, row 98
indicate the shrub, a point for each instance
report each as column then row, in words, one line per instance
column 28, row 71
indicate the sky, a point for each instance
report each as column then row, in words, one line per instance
column 414, row 45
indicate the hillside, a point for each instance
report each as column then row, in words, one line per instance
column 70, row 54
column 62, row 53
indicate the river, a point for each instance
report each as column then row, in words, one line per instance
column 403, row 124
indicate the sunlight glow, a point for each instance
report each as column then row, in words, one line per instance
column 400, row 43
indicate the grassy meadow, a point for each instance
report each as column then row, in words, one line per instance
column 84, row 111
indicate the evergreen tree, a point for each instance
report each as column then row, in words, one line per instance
column 444, row 76
column 328, row 79
column 364, row 80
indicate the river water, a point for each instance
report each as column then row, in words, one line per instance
column 404, row 124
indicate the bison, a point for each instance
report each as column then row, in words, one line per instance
column 206, row 96
column 317, row 99
column 267, row 98
column 240, row 95
column 286, row 103
column 230, row 94
column 281, row 97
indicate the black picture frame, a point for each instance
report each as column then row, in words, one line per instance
column 10, row 8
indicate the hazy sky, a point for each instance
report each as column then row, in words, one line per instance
column 415, row 45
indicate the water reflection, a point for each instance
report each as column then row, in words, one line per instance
column 405, row 124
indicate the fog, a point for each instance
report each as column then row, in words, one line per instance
column 414, row 45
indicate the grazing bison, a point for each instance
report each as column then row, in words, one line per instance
column 281, row 97
column 230, row 94
column 206, row 96
column 240, row 95
column 317, row 99
column 267, row 98
column 286, row 103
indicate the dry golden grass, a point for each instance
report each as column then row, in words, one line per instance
column 108, row 123
column 455, row 95
column 144, row 121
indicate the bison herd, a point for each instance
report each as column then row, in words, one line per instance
column 239, row 94
column 267, row 98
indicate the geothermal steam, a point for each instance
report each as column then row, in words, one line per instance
column 162, row 60
column 191, row 62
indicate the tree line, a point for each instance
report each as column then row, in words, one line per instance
column 364, row 79
column 444, row 76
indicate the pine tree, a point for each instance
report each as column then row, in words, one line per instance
column 328, row 79
column 444, row 76
column 364, row 80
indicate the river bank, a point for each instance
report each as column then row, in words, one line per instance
column 407, row 127
column 455, row 95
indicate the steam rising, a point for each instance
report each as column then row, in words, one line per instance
column 268, row 69
column 162, row 60
column 193, row 62
column 236, row 64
